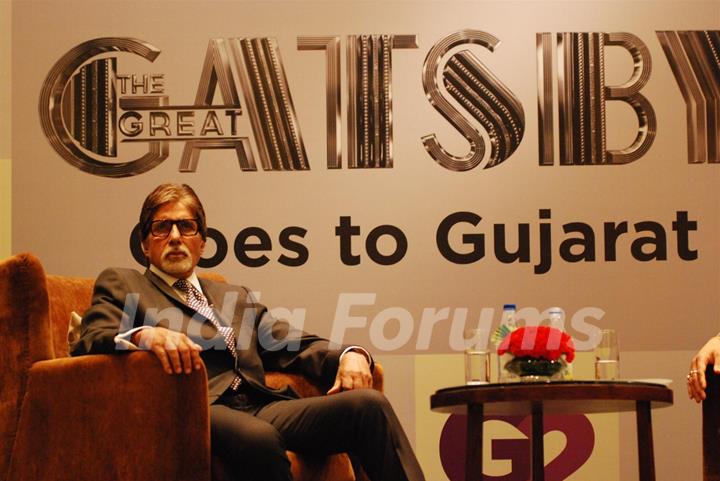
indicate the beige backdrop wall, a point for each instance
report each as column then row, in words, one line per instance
column 78, row 223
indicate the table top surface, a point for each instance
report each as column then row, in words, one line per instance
column 555, row 396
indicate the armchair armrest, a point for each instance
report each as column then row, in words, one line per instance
column 114, row 417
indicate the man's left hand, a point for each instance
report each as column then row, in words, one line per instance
column 353, row 373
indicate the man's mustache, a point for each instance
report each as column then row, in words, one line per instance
column 177, row 250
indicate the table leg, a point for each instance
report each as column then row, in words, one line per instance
column 646, row 457
column 537, row 448
column 474, row 445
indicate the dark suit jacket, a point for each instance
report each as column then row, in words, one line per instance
column 124, row 299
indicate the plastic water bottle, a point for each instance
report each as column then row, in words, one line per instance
column 508, row 316
column 556, row 317
column 556, row 320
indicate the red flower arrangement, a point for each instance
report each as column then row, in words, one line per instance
column 538, row 342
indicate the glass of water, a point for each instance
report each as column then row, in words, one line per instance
column 607, row 356
column 477, row 357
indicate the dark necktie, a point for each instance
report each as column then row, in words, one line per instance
column 196, row 300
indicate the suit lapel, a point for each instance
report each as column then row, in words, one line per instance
column 215, row 294
column 164, row 288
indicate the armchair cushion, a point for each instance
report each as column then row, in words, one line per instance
column 74, row 329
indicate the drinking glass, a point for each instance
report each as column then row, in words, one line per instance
column 477, row 357
column 607, row 356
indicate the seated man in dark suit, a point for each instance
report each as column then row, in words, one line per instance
column 708, row 354
column 184, row 320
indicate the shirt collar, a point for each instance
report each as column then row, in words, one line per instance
column 170, row 280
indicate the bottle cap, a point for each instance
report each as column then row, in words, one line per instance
column 507, row 307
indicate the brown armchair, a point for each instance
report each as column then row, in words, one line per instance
column 111, row 417
column 711, row 427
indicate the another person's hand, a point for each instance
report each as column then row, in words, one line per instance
column 176, row 352
column 708, row 354
column 353, row 373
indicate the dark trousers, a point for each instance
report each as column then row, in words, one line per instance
column 251, row 441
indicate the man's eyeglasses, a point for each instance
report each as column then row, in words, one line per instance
column 162, row 228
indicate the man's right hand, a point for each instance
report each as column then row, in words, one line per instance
column 176, row 352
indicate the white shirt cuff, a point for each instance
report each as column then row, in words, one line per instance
column 123, row 341
column 361, row 350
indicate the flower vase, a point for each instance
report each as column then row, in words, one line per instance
column 536, row 368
